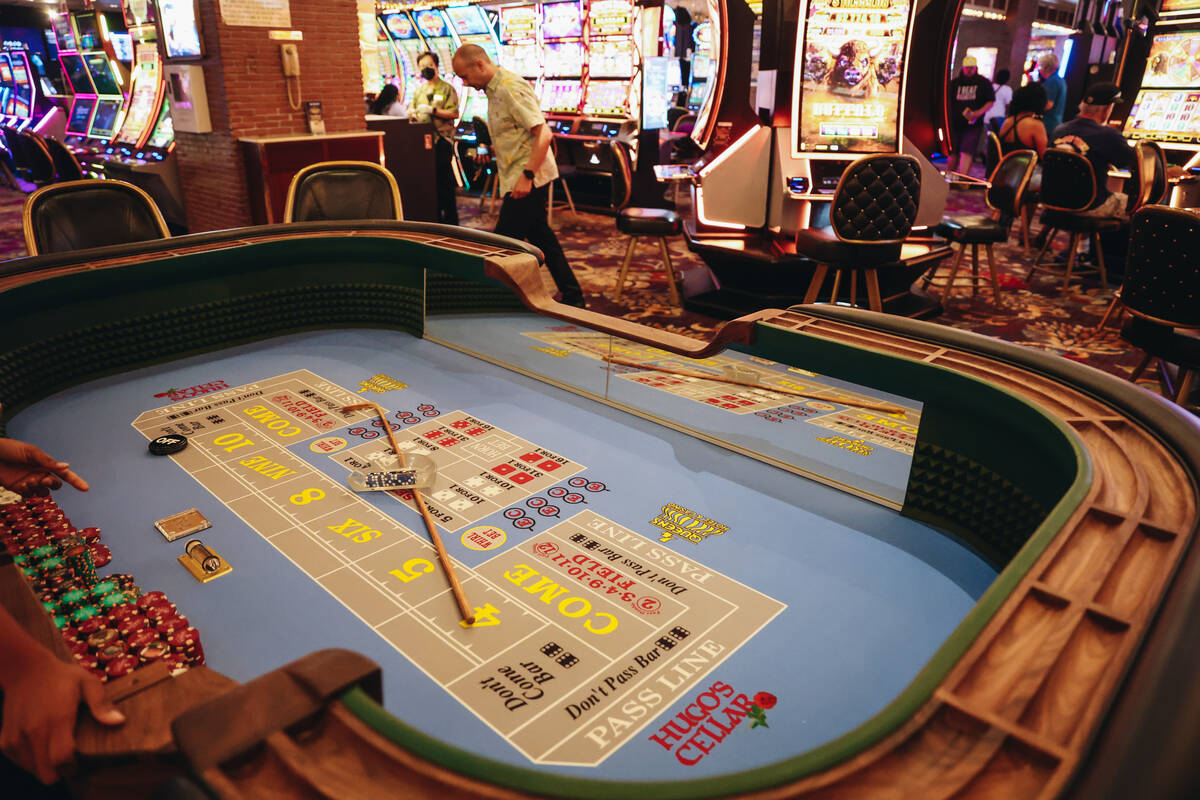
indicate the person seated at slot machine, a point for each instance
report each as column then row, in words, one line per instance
column 41, row 694
column 1103, row 147
column 1023, row 130
column 388, row 103
column 436, row 101
column 971, row 96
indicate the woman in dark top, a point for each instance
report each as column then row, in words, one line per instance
column 1023, row 130
column 388, row 102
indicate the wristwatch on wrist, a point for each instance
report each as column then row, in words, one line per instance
column 528, row 173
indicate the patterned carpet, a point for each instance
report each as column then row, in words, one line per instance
column 1034, row 314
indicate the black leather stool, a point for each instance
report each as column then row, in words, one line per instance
column 657, row 222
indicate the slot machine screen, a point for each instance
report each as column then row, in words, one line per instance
column 139, row 12
column 476, row 105
column 1174, row 60
column 468, row 20
column 105, row 120
column 1169, row 6
column 400, row 25
column 20, row 73
column 518, row 23
column 81, row 115
column 675, row 75
column 77, row 74
column 561, row 20
column 611, row 59
column 1165, row 115
column 656, row 92
column 850, row 76
column 561, row 97
column 523, row 59
column 122, row 46
column 610, row 18
column 431, row 24
column 387, row 61
column 702, row 61
column 64, row 33
column 102, row 74
column 164, row 130
column 563, row 59
column 6, row 74
column 696, row 94
column 89, row 36
column 606, row 98
column 181, row 37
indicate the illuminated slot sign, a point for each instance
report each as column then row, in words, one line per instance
column 400, row 25
column 606, row 98
column 432, row 24
column 561, row 96
column 563, row 60
column 850, row 76
column 1174, row 60
column 519, row 23
column 1166, row 115
column 610, row 18
column 468, row 20
column 1180, row 7
column 611, row 59
column 562, row 20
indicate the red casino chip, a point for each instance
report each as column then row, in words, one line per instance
column 101, row 555
column 151, row 599
column 184, row 640
column 121, row 666
column 139, row 639
column 91, row 625
column 124, row 611
column 168, row 625
column 153, row 652
column 115, row 650
column 131, row 624
column 160, row 611
column 91, row 534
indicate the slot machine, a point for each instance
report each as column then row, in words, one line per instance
column 408, row 47
column 24, row 95
column 7, row 101
column 471, row 25
column 563, row 57
column 1162, row 93
column 758, row 183
column 519, row 49
column 703, row 63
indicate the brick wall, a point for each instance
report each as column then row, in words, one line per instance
column 247, row 97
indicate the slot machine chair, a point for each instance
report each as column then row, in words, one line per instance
column 337, row 190
column 66, row 166
column 1161, row 282
column 871, row 214
column 1151, row 188
column 564, row 171
column 76, row 215
column 1006, row 187
column 1069, row 187
column 32, row 161
column 991, row 152
column 634, row 222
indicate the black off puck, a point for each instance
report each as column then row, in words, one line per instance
column 167, row 445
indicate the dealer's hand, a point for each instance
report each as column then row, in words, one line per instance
column 425, row 108
column 27, row 470
column 524, row 186
column 40, row 703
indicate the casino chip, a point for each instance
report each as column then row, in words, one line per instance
column 167, row 445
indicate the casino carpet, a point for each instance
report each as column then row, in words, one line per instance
column 1033, row 314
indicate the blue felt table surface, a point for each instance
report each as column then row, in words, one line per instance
column 869, row 594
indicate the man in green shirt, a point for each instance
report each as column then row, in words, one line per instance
column 521, row 140
column 436, row 101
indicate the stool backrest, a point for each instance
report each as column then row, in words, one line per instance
column 622, row 174
column 30, row 155
column 1068, row 183
column 66, row 166
column 876, row 199
column 76, row 215
column 1151, row 174
column 1162, row 283
column 992, row 152
column 1008, row 182
column 343, row 190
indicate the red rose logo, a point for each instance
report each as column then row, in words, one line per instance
column 765, row 700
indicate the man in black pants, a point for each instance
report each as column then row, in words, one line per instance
column 436, row 101
column 521, row 140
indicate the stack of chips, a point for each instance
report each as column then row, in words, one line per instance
column 108, row 624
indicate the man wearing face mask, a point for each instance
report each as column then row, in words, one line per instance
column 436, row 101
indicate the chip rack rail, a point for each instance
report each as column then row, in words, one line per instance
column 1086, row 487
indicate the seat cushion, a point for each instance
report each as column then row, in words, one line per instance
column 1077, row 223
column 649, row 222
column 974, row 231
column 822, row 244
column 1177, row 347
